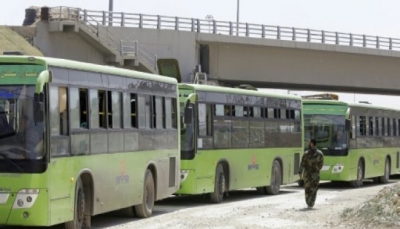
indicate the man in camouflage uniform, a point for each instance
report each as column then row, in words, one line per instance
column 311, row 164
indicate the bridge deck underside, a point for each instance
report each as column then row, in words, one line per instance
column 295, row 68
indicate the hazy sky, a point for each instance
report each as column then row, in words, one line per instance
column 356, row 16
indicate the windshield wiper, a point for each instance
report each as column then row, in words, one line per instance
column 11, row 162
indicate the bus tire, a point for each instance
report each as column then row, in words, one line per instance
column 360, row 176
column 300, row 183
column 276, row 179
column 385, row 178
column 219, row 186
column 145, row 209
column 79, row 208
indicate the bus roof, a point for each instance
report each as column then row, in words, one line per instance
column 335, row 102
column 211, row 88
column 364, row 105
column 323, row 101
column 84, row 66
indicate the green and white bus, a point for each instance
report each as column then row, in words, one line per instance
column 79, row 139
column 359, row 141
column 238, row 138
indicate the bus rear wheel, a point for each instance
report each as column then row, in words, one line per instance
column 79, row 208
column 360, row 176
column 145, row 209
column 219, row 186
column 276, row 179
column 385, row 178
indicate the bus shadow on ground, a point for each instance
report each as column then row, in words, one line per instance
column 177, row 203
column 204, row 200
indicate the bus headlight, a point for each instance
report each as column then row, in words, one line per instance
column 25, row 198
column 184, row 175
column 338, row 168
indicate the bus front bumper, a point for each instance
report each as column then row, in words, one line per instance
column 28, row 207
column 337, row 172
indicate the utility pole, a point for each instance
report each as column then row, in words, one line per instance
column 110, row 9
column 209, row 18
column 237, row 19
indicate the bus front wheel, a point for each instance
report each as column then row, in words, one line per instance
column 360, row 176
column 145, row 209
column 219, row 186
column 79, row 209
column 276, row 179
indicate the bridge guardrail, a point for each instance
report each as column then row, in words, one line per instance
column 233, row 29
column 91, row 23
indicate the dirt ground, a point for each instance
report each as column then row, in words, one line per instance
column 247, row 209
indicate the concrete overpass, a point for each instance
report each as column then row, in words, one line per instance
column 261, row 55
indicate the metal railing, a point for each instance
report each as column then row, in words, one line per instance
column 104, row 35
column 64, row 13
column 106, row 18
column 134, row 48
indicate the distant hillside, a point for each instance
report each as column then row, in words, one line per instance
column 12, row 41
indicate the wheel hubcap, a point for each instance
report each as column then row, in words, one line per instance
column 148, row 198
column 81, row 206
column 359, row 173
column 275, row 180
column 387, row 171
column 222, row 184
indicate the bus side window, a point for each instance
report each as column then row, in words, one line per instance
column 164, row 117
column 54, row 111
column 205, row 119
column 102, row 109
column 362, row 126
column 133, row 110
column 382, row 125
column 114, row 109
column 174, row 113
column 353, row 127
column 398, row 127
column 59, row 123
column 168, row 113
column 58, row 110
column 157, row 112
column 109, row 114
column 63, row 101
column 371, row 126
column 277, row 113
column 376, row 126
column 209, row 119
column 83, row 104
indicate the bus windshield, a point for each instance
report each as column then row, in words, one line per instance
column 328, row 130
column 20, row 137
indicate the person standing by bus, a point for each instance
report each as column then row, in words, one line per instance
column 311, row 164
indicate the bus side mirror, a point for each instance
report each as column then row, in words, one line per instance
column 347, row 125
column 38, row 107
column 188, row 115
